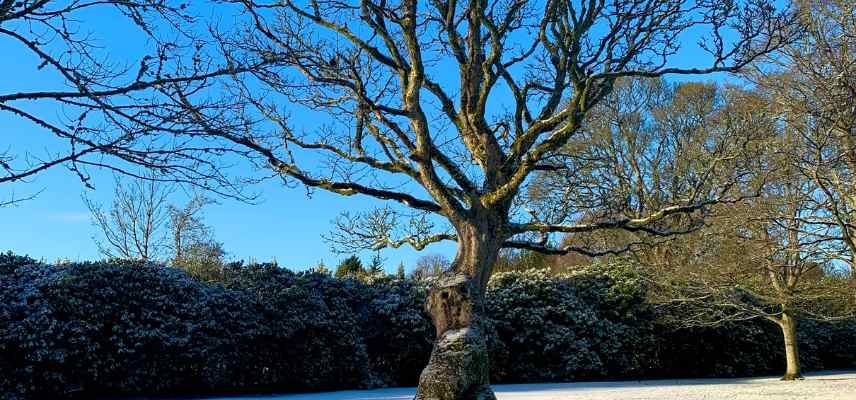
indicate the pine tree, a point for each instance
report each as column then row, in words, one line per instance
column 400, row 273
column 351, row 266
column 376, row 266
column 321, row 268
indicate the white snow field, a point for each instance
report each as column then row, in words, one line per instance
column 817, row 386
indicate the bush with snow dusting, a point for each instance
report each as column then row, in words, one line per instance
column 589, row 324
column 131, row 327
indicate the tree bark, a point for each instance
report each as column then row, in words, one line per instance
column 458, row 368
column 789, row 329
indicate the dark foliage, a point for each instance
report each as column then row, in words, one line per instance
column 112, row 328
column 567, row 327
column 735, row 349
column 398, row 332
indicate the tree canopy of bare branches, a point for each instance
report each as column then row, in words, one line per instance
column 763, row 257
column 94, row 108
column 649, row 146
column 135, row 225
column 449, row 108
column 813, row 84
column 446, row 108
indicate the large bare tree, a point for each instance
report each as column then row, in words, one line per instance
column 448, row 109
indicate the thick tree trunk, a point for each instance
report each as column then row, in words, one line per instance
column 789, row 329
column 459, row 367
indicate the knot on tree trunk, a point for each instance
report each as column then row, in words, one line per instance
column 451, row 303
column 458, row 368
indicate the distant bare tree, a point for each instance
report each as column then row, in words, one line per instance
column 431, row 265
column 522, row 260
column 786, row 255
column 757, row 259
column 135, row 226
column 762, row 269
column 186, row 226
column 142, row 224
column 650, row 144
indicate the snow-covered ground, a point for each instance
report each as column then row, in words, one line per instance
column 817, row 386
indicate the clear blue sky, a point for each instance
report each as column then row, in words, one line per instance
column 286, row 225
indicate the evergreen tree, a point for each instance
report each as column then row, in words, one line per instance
column 376, row 266
column 321, row 267
column 351, row 266
column 400, row 273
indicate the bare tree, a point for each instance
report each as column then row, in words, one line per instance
column 136, row 224
column 186, row 226
column 648, row 145
column 431, row 265
column 141, row 224
column 757, row 259
column 193, row 247
column 457, row 146
column 754, row 264
column 649, row 142
column 813, row 83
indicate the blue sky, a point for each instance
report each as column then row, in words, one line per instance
column 285, row 224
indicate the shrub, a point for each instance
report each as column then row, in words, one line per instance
column 735, row 349
column 750, row 348
column 559, row 328
column 30, row 345
column 398, row 332
column 131, row 327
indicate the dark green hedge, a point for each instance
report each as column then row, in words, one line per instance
column 581, row 326
column 113, row 328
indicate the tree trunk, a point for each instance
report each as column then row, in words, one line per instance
column 789, row 328
column 459, row 367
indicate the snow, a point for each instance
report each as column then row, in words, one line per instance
column 817, row 386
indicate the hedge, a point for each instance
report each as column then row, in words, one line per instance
column 87, row 329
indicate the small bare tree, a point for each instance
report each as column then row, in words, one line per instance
column 135, row 226
column 186, row 226
column 431, row 265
